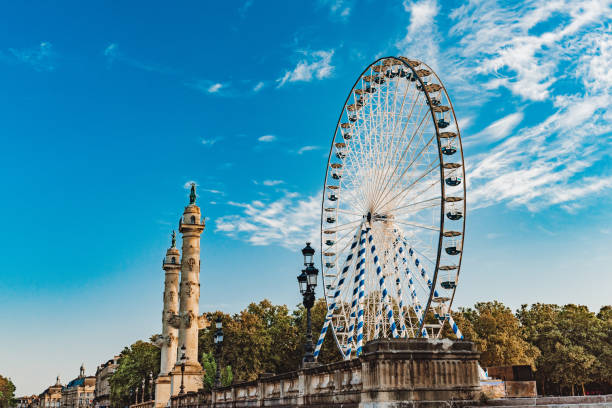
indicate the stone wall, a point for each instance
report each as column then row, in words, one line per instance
column 390, row 373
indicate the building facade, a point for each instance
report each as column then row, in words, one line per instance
column 51, row 397
column 79, row 393
column 27, row 401
column 103, row 390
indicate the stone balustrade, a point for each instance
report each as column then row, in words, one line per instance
column 390, row 373
column 145, row 404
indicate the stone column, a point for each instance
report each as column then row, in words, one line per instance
column 171, row 266
column 169, row 338
column 191, row 227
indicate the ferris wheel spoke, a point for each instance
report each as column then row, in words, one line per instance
column 431, row 167
column 395, row 160
column 404, row 152
column 413, row 224
column 414, row 159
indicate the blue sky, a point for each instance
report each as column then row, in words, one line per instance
column 108, row 110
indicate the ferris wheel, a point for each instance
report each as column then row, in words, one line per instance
column 393, row 209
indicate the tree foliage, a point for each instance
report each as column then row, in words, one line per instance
column 267, row 338
column 209, row 365
column 498, row 334
column 569, row 346
column 7, row 392
column 135, row 364
column 575, row 345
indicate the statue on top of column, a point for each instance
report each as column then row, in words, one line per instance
column 192, row 195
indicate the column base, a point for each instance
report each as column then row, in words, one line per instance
column 162, row 391
column 192, row 378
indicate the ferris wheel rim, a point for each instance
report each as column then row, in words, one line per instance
column 442, row 200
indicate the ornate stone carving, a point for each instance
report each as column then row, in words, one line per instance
column 191, row 263
column 169, row 296
column 188, row 318
column 203, row 322
column 174, row 320
column 167, row 340
column 190, row 289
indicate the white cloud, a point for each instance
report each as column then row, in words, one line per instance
column 210, row 142
column 272, row 182
column 315, row 64
column 554, row 162
column 500, row 42
column 41, row 58
column 213, row 191
column 259, row 86
column 307, row 149
column 242, row 10
column 527, row 49
column 422, row 14
column 289, row 221
column 496, row 130
column 267, row 138
column 113, row 54
column 210, row 87
column 338, row 8
column 421, row 39
column 214, row 88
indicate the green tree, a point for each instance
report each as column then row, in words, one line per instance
column 210, row 371
column 329, row 351
column 135, row 364
column 541, row 328
column 575, row 345
column 498, row 334
column 602, row 370
column 7, row 392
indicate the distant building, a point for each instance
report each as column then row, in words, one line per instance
column 51, row 397
column 79, row 393
column 26, row 402
column 103, row 390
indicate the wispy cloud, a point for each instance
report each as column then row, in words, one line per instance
column 501, row 41
column 41, row 58
column 113, row 55
column 211, row 142
column 316, row 64
column 209, row 87
column 289, row 221
column 338, row 9
column 496, row 130
column 525, row 50
column 272, row 182
column 309, row 148
column 214, row 88
column 420, row 41
column 213, row 191
column 242, row 10
column 266, row 138
column 259, row 86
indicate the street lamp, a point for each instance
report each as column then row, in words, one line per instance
column 183, row 359
column 308, row 282
column 218, row 342
column 150, row 385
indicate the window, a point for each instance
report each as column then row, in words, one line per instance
column 193, row 219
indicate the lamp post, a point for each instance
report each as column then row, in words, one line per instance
column 150, row 385
column 183, row 359
column 218, row 343
column 308, row 282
